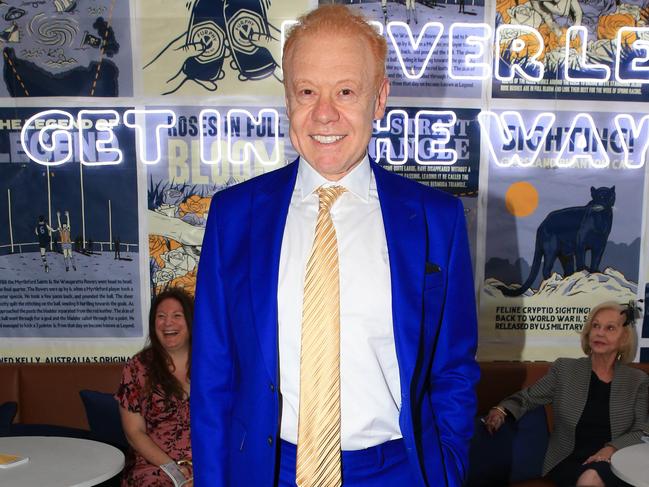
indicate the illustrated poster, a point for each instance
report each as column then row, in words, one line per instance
column 66, row 48
column 206, row 47
column 603, row 39
column 559, row 240
column 69, row 250
column 181, row 185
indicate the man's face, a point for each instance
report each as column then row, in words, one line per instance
column 331, row 100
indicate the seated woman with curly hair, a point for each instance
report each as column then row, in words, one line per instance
column 154, row 397
column 599, row 404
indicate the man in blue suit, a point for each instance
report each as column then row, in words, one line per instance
column 405, row 315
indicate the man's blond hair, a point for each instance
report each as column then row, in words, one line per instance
column 340, row 20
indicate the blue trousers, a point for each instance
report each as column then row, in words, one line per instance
column 384, row 465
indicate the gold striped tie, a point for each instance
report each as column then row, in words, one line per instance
column 318, row 443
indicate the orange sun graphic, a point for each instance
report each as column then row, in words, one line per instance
column 521, row 199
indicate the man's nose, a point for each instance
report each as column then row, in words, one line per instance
column 325, row 110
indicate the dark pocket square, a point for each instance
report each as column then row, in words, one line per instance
column 432, row 268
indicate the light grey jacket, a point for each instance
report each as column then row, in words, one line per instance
column 566, row 386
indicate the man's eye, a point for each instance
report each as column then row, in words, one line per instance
column 306, row 92
column 346, row 92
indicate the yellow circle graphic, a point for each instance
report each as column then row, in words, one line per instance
column 521, row 199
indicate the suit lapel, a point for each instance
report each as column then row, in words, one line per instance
column 619, row 400
column 270, row 204
column 405, row 232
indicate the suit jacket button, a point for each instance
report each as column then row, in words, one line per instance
column 272, row 387
column 270, row 440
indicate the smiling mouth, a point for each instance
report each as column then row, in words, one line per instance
column 170, row 333
column 327, row 139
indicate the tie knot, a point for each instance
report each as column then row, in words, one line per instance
column 328, row 195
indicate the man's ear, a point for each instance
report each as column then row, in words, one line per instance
column 382, row 99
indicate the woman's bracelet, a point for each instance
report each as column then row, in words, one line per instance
column 500, row 409
column 174, row 473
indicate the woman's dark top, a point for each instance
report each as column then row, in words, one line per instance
column 592, row 433
column 594, row 428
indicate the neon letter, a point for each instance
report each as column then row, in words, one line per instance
column 576, row 137
column 207, row 141
column 436, row 29
column 502, row 129
column 634, row 157
column 472, row 52
column 249, row 146
column 441, row 135
column 59, row 136
column 377, row 25
column 284, row 28
column 105, row 136
column 151, row 124
column 593, row 73
column 624, row 73
column 383, row 141
column 531, row 69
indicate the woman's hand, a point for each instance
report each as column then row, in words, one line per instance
column 134, row 427
column 494, row 420
column 187, row 469
column 603, row 455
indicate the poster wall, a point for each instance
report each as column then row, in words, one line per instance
column 533, row 113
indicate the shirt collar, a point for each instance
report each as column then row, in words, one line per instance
column 356, row 182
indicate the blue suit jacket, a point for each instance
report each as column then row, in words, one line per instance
column 235, row 403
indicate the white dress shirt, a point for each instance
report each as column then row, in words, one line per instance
column 370, row 392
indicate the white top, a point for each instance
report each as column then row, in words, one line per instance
column 370, row 388
column 631, row 464
column 59, row 462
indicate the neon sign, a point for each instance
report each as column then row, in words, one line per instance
column 50, row 137
column 469, row 56
column 510, row 142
